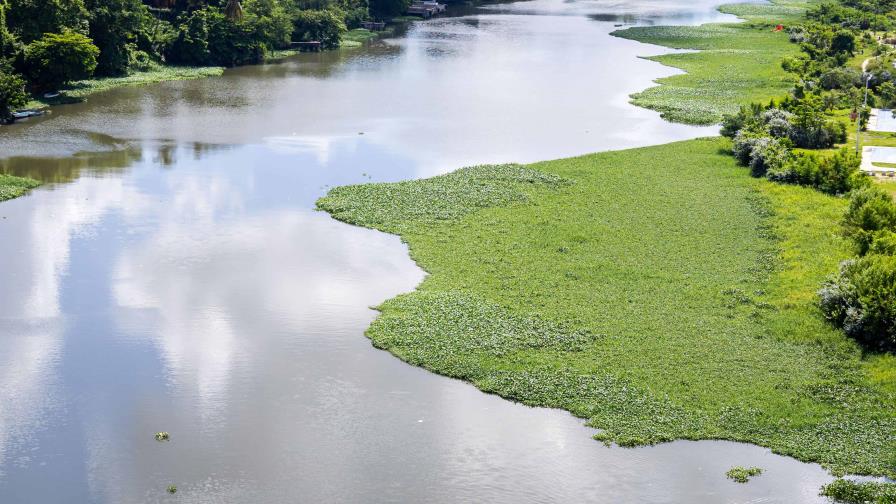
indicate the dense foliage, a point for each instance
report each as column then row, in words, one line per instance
column 860, row 492
column 50, row 43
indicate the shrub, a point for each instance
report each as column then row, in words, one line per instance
column 746, row 117
column 861, row 300
column 871, row 210
column 840, row 173
column 12, row 95
column 58, row 58
column 322, row 25
column 840, row 78
column 777, row 122
column 761, row 153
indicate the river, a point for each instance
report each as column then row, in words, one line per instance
column 172, row 275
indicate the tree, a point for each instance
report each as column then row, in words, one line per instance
column 843, row 42
column 320, row 25
column 114, row 25
column 388, row 8
column 191, row 45
column 58, row 58
column 7, row 40
column 30, row 19
column 12, row 95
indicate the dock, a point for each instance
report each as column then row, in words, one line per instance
column 310, row 46
column 426, row 9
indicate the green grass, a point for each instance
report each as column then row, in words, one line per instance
column 661, row 293
column 13, row 187
column 742, row 474
column 735, row 63
column 852, row 492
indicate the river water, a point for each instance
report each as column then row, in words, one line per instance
column 172, row 275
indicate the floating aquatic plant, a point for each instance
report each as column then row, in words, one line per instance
column 743, row 474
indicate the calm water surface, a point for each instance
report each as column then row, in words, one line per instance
column 173, row 276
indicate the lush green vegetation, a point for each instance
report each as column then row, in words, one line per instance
column 675, row 303
column 743, row 474
column 79, row 46
column 13, row 187
column 852, row 492
column 736, row 63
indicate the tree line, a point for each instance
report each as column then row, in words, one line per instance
column 45, row 44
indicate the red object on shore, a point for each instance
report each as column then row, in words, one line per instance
column 853, row 115
column 779, row 28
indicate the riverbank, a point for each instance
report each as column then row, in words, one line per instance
column 80, row 90
column 13, row 187
column 675, row 304
column 733, row 63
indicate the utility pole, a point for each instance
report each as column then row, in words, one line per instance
column 868, row 77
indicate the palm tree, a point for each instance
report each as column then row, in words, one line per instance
column 233, row 10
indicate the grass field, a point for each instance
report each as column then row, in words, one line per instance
column 735, row 63
column 679, row 303
column 13, row 187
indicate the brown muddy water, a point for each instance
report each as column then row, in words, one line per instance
column 173, row 276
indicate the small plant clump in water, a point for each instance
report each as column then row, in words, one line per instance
column 162, row 436
column 172, row 489
column 743, row 474
column 860, row 492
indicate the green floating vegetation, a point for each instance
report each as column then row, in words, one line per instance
column 77, row 91
column 162, row 436
column 13, row 187
column 172, row 489
column 661, row 293
column 865, row 492
column 743, row 474
column 735, row 63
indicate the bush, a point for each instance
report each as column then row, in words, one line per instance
column 12, row 95
column 320, row 25
column 871, row 211
column 746, row 118
column 58, row 58
column 761, row 153
column 777, row 122
column 862, row 300
column 840, row 78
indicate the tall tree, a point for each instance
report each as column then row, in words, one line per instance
column 113, row 27
column 30, row 19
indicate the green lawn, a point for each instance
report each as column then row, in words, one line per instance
column 661, row 293
column 13, row 187
column 735, row 63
